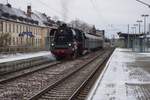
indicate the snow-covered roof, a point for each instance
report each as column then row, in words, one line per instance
column 41, row 17
column 19, row 56
column 36, row 17
column 93, row 36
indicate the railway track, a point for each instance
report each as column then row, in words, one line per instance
column 69, row 86
column 17, row 65
column 31, row 68
column 82, row 92
column 13, row 75
column 25, row 86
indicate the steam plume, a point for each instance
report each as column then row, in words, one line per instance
column 65, row 9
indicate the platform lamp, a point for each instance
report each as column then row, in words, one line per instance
column 145, row 16
column 139, row 22
column 136, row 25
column 133, row 37
column 133, row 30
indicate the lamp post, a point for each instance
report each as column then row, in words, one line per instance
column 128, row 45
column 139, row 22
column 145, row 16
column 134, row 37
column 135, row 27
column 133, row 30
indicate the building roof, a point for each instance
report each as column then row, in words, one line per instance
column 37, row 18
column 125, row 35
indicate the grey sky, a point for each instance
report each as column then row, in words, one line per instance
column 112, row 15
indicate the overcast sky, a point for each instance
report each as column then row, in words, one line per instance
column 111, row 15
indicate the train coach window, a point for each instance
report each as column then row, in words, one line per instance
column 79, row 35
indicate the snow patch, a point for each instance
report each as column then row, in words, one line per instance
column 120, row 74
column 19, row 56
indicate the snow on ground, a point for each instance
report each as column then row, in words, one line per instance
column 20, row 56
column 126, row 77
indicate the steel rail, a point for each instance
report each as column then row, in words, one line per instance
column 29, row 71
column 90, row 77
column 42, row 92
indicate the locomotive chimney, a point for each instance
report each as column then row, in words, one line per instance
column 94, row 29
column 29, row 11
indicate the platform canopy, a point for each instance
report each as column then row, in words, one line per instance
column 126, row 35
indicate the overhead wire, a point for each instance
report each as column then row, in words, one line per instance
column 53, row 9
column 93, row 2
column 111, row 27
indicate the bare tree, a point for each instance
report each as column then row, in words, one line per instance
column 81, row 25
column 4, row 39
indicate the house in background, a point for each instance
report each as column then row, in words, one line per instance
column 24, row 30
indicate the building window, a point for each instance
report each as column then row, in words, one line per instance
column 17, row 40
column 10, row 41
column 9, row 28
column 13, row 28
column 13, row 41
column 5, row 27
column 24, row 28
column 1, row 26
column 17, row 28
column 21, row 40
column 29, row 29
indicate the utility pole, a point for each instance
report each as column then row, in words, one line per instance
column 145, row 16
column 139, row 21
column 136, row 27
column 134, row 37
column 128, row 36
column 140, row 42
column 135, row 33
column 133, row 30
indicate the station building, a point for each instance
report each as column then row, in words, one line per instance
column 20, row 30
column 138, row 42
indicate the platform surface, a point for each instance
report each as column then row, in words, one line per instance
column 126, row 77
column 21, row 56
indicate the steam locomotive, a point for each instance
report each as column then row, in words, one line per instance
column 71, row 42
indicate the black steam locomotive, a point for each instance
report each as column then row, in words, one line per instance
column 70, row 42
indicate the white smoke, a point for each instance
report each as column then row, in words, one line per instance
column 65, row 8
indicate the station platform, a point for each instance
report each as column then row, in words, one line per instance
column 21, row 56
column 125, row 77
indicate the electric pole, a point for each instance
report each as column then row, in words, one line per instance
column 128, row 45
column 145, row 22
column 145, row 30
column 139, row 21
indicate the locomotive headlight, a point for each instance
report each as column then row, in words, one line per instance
column 52, row 44
column 69, row 44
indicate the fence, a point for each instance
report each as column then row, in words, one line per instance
column 18, row 49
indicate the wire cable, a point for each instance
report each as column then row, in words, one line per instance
column 52, row 9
